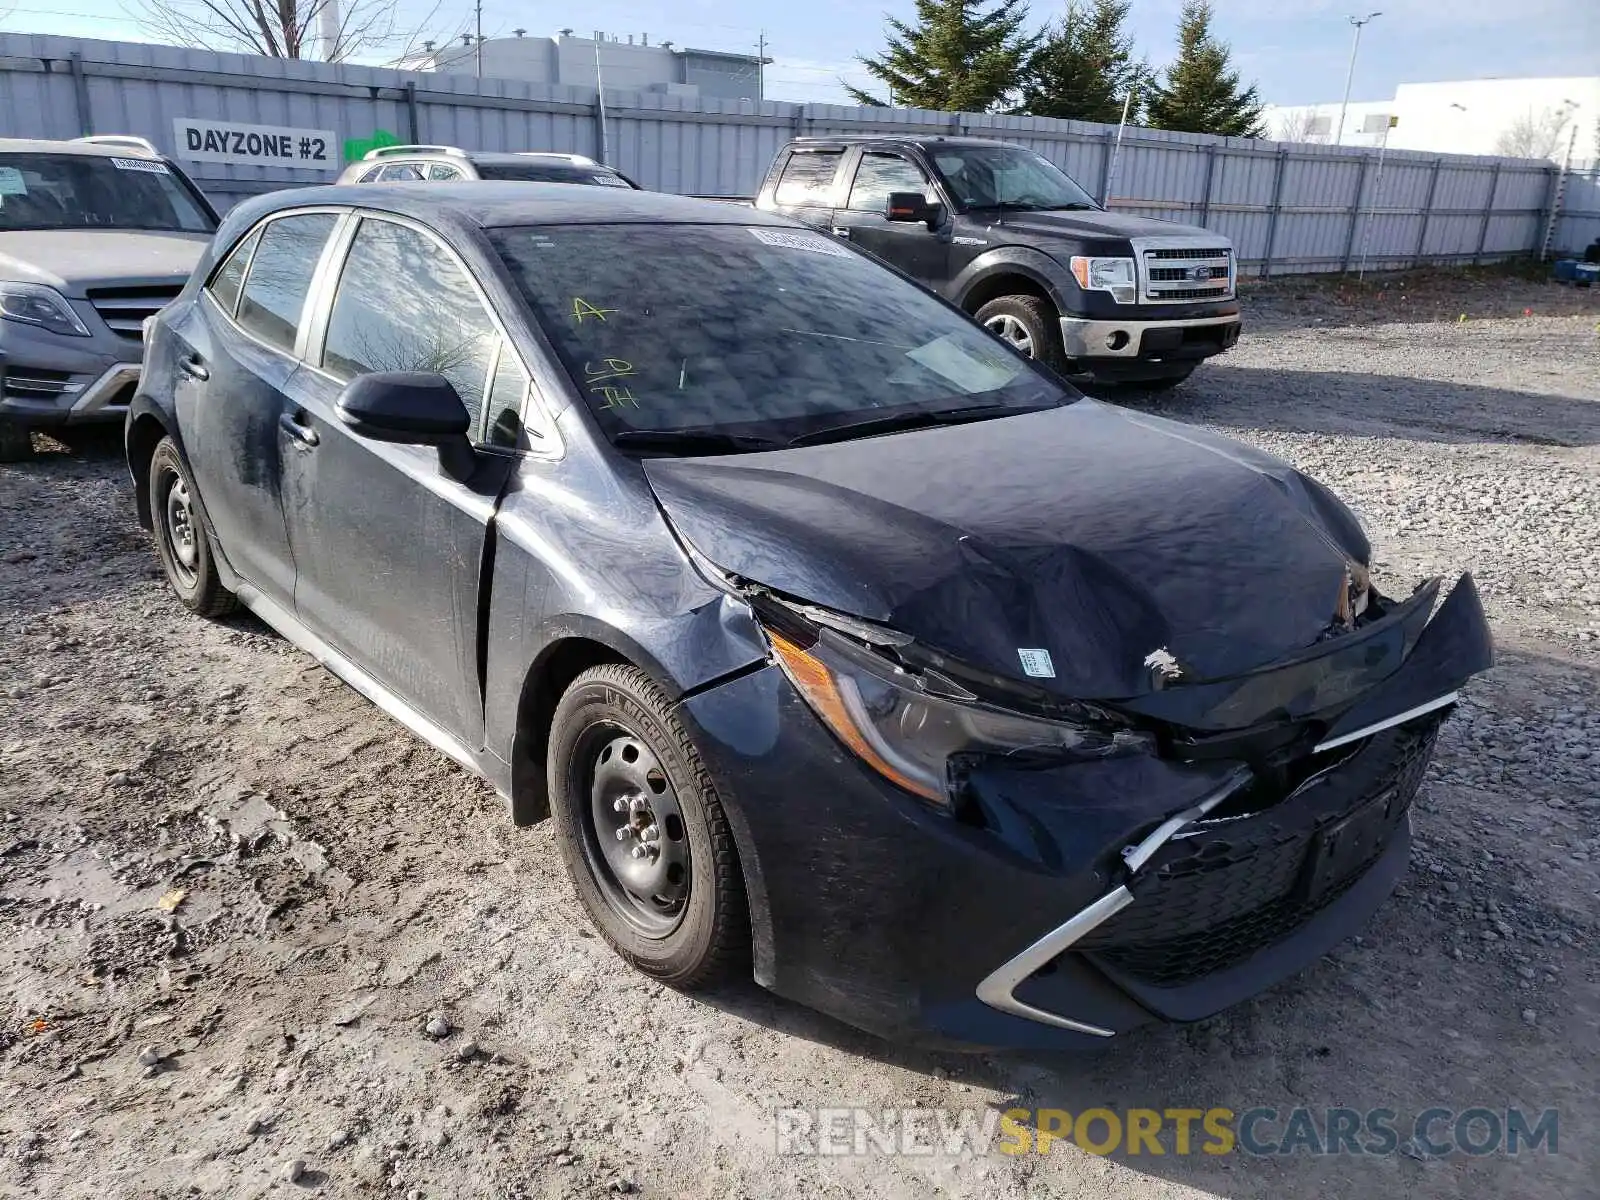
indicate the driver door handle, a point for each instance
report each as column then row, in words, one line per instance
column 300, row 432
column 193, row 366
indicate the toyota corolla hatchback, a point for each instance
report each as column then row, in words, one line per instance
column 843, row 645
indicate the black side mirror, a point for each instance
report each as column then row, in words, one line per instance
column 911, row 207
column 413, row 408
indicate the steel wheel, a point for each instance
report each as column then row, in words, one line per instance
column 1011, row 331
column 178, row 528
column 636, row 841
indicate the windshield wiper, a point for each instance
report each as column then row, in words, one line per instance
column 1024, row 206
column 912, row 420
column 692, row 441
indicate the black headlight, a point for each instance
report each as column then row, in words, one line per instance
column 911, row 736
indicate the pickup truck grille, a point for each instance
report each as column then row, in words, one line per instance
column 124, row 309
column 1178, row 272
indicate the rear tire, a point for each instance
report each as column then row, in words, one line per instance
column 181, row 540
column 16, row 442
column 678, row 913
column 1028, row 324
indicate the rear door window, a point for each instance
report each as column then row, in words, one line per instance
column 274, row 295
column 400, row 173
column 807, row 178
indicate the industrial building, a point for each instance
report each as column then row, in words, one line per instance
column 1527, row 118
column 624, row 62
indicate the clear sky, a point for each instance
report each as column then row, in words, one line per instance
column 1296, row 50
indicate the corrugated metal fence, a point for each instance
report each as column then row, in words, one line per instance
column 1288, row 208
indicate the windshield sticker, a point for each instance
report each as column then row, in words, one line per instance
column 1037, row 663
column 952, row 357
column 799, row 241
column 581, row 308
column 611, row 181
column 140, row 164
column 12, row 183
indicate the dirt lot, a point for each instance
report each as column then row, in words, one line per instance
column 342, row 884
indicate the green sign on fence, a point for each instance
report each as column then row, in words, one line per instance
column 355, row 148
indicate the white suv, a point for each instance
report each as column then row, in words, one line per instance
column 397, row 164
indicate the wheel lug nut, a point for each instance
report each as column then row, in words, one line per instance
column 622, row 834
column 640, row 851
column 619, row 805
column 649, row 834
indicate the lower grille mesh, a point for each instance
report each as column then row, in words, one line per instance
column 1214, row 899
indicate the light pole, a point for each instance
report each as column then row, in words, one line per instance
column 1350, row 75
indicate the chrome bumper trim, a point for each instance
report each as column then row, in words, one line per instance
column 1083, row 338
column 998, row 988
column 99, row 393
column 1379, row 726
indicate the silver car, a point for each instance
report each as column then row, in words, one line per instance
column 96, row 234
column 439, row 164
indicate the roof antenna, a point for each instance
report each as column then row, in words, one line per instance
column 600, row 92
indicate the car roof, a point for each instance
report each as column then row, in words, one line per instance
column 493, row 204
column 64, row 146
column 897, row 139
column 505, row 158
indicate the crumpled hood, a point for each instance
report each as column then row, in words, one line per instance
column 1090, row 532
column 71, row 260
column 1080, row 224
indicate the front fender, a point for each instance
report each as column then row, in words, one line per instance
column 1034, row 265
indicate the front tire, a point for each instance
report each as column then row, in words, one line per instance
column 642, row 831
column 181, row 540
column 1152, row 387
column 1028, row 324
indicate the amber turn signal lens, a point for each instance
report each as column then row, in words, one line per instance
column 821, row 691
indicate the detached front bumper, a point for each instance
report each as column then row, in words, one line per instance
column 1073, row 902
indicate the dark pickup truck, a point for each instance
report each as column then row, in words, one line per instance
column 1009, row 237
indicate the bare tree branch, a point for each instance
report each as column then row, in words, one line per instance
column 1535, row 134
column 284, row 28
column 1302, row 126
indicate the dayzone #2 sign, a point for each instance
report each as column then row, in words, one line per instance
column 255, row 145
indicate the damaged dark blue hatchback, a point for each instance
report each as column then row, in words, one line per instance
column 839, row 641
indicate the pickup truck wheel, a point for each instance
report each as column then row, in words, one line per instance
column 16, row 443
column 1027, row 324
column 181, row 541
column 1150, row 387
column 643, row 832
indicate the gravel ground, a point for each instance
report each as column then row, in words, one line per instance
column 260, row 941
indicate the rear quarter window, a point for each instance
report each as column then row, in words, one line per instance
column 225, row 284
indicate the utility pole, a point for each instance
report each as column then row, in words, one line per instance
column 761, row 66
column 480, row 38
column 1350, row 75
column 1116, row 153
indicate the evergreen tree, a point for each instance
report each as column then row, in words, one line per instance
column 1084, row 68
column 1201, row 93
column 960, row 56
